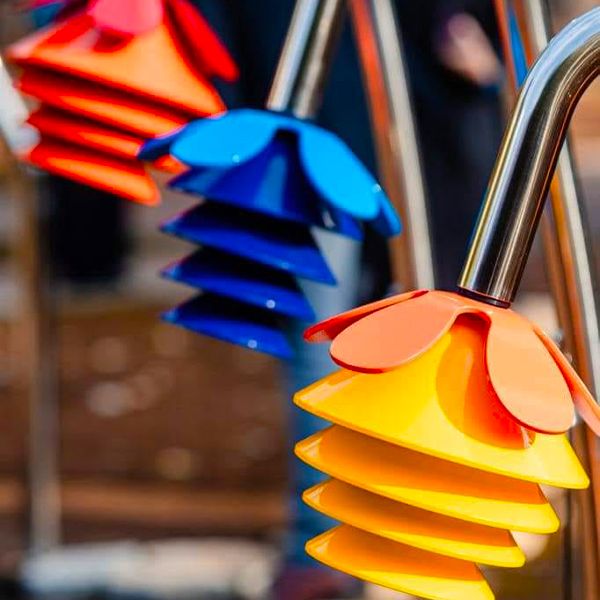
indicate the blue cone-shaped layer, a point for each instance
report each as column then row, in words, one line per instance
column 228, row 139
column 283, row 245
column 226, row 275
column 272, row 182
column 233, row 322
column 338, row 177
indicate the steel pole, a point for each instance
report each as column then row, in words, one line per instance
column 388, row 91
column 572, row 275
column 36, row 328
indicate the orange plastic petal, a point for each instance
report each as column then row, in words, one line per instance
column 204, row 47
column 59, row 125
column 585, row 403
column 395, row 335
column 428, row 483
column 100, row 103
column 169, row 164
column 525, row 376
column 122, row 177
column 399, row 567
column 332, row 327
column 150, row 65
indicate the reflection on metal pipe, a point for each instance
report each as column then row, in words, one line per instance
column 569, row 254
column 36, row 329
column 306, row 57
column 527, row 158
column 380, row 49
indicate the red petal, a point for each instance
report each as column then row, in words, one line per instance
column 386, row 339
column 126, row 18
column 584, row 402
column 206, row 51
column 329, row 328
column 525, row 377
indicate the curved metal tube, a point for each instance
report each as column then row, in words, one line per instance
column 306, row 57
column 527, row 159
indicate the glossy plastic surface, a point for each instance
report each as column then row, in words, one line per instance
column 100, row 103
column 399, row 567
column 338, row 177
column 442, row 404
column 273, row 183
column 584, row 402
column 74, row 46
column 233, row 322
column 83, row 132
column 242, row 280
column 205, row 50
column 126, row 178
column 414, row 527
column 130, row 18
column 285, row 246
column 522, row 372
column 427, row 482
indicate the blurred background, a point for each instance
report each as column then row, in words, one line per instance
column 174, row 450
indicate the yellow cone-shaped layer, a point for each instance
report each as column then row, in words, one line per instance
column 399, row 567
column 427, row 482
column 442, row 404
column 414, row 526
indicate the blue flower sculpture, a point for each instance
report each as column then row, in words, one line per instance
column 266, row 179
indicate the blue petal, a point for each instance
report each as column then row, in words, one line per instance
column 337, row 174
column 273, row 183
column 159, row 146
column 228, row 139
column 279, row 244
column 387, row 222
column 233, row 322
column 219, row 273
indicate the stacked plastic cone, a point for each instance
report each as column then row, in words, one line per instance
column 447, row 416
column 109, row 75
column 266, row 180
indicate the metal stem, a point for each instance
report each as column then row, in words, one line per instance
column 306, row 57
column 380, row 49
column 36, row 328
column 569, row 254
column 527, row 158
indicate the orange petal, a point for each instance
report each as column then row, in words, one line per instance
column 126, row 178
column 74, row 46
column 525, row 376
column 83, row 132
column 100, row 103
column 328, row 329
column 585, row 403
column 394, row 335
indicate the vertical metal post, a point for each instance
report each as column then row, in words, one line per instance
column 36, row 329
column 384, row 72
column 572, row 274
column 306, row 57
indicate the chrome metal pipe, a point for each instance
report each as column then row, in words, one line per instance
column 572, row 275
column 35, row 327
column 306, row 57
column 388, row 91
column 526, row 161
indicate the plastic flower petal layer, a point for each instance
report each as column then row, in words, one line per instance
column 100, row 95
column 266, row 178
column 435, row 448
column 532, row 379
